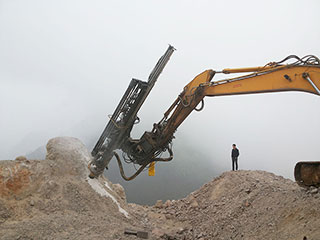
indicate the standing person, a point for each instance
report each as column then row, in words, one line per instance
column 234, row 155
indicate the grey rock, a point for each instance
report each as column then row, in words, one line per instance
column 21, row 158
column 313, row 190
column 159, row 204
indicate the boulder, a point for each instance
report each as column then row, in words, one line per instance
column 21, row 158
column 69, row 156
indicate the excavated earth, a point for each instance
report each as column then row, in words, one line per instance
column 54, row 199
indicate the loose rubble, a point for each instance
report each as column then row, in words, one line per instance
column 242, row 205
column 54, row 199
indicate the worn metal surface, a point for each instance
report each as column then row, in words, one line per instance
column 116, row 134
column 139, row 234
column 307, row 173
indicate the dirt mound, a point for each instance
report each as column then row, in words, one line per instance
column 242, row 205
column 54, row 199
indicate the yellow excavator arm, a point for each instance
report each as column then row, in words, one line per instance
column 274, row 78
column 301, row 75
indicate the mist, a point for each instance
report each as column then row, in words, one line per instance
column 64, row 65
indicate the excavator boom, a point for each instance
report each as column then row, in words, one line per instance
column 301, row 75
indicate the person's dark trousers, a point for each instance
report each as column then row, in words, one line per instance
column 234, row 162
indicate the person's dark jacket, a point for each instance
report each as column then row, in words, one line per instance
column 235, row 152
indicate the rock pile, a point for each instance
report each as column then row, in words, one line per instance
column 242, row 205
column 54, row 199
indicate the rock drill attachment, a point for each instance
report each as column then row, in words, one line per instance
column 116, row 134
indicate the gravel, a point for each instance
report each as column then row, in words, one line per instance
column 54, row 199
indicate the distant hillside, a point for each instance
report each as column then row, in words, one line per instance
column 38, row 154
column 188, row 170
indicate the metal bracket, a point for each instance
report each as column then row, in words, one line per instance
column 307, row 77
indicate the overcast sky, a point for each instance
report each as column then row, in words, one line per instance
column 64, row 65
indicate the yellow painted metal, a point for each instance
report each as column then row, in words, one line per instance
column 152, row 169
column 279, row 79
column 305, row 78
column 283, row 79
column 249, row 69
column 203, row 77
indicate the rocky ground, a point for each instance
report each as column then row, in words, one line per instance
column 242, row 205
column 54, row 199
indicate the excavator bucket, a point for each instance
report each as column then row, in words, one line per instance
column 307, row 174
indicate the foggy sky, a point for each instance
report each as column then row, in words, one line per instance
column 64, row 65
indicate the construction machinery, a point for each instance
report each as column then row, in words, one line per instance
column 307, row 174
column 290, row 74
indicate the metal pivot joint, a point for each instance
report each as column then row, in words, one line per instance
column 307, row 77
